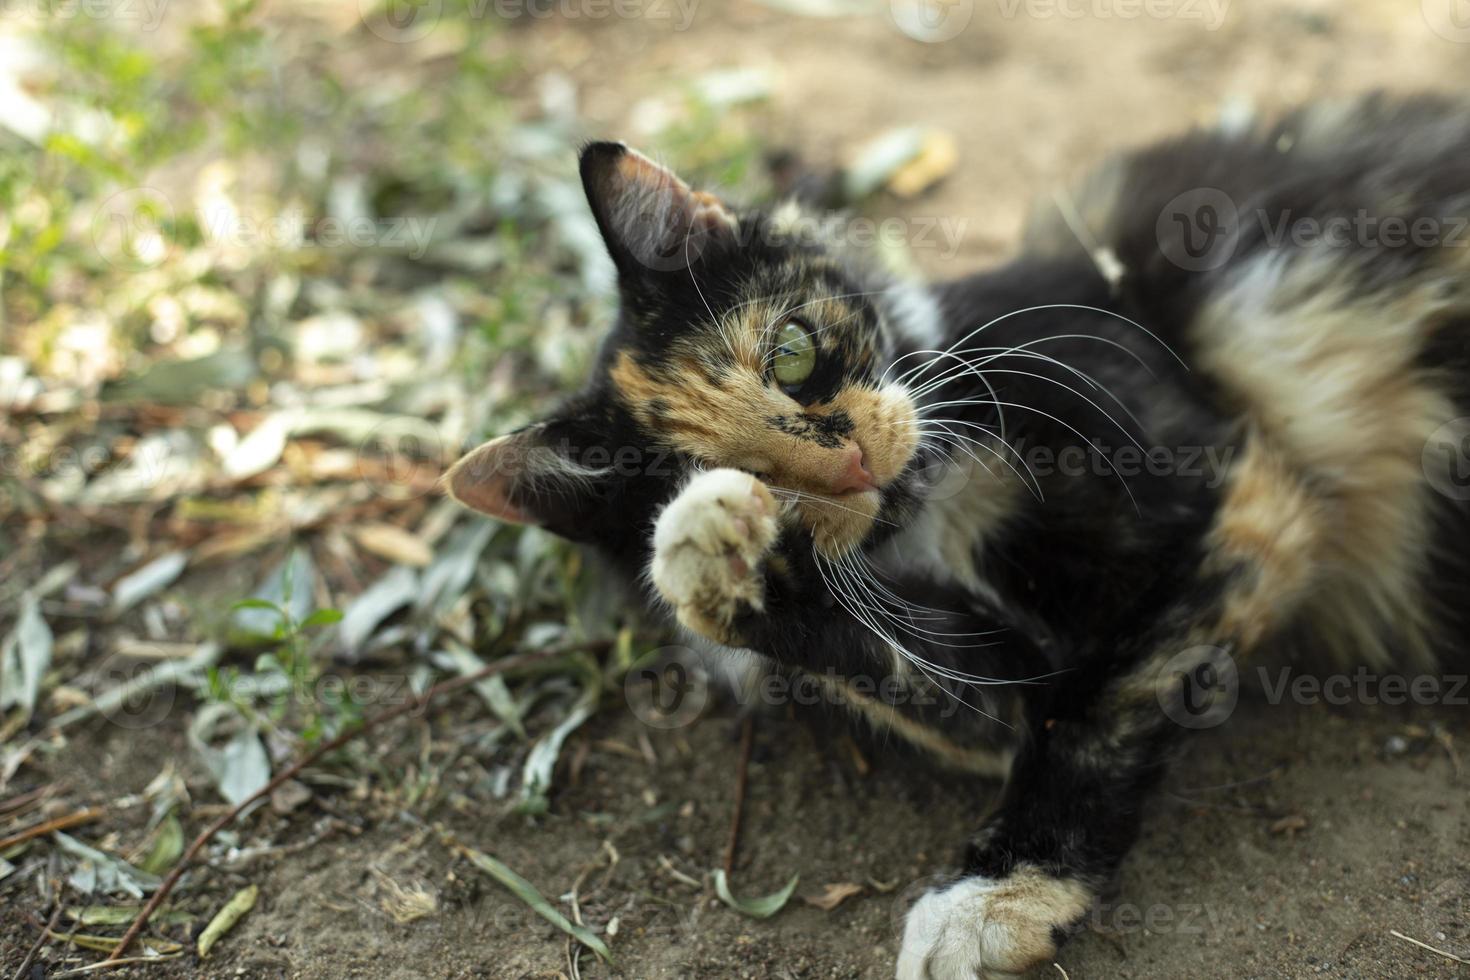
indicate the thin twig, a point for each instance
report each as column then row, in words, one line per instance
column 26, row 799
column 111, row 964
column 747, row 739
column 56, row 823
column 25, row 964
column 1411, row 939
column 224, row 820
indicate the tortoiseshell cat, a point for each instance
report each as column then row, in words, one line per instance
column 858, row 477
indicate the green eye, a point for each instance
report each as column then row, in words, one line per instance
column 795, row 355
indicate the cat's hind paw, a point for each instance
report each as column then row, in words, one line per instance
column 990, row 929
column 709, row 551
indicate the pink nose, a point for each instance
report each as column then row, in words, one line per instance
column 855, row 477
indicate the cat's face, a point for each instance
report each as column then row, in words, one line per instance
column 742, row 341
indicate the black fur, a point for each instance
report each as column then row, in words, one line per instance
column 1094, row 577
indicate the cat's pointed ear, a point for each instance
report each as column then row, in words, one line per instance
column 650, row 219
column 529, row 477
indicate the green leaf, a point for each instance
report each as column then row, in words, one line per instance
column 223, row 922
column 287, row 596
column 122, row 915
column 322, row 617
column 168, row 844
column 757, row 908
column 527, row 893
column 258, row 604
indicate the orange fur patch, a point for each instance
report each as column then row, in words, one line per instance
column 1268, row 536
column 722, row 416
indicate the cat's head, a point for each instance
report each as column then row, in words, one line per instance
column 750, row 340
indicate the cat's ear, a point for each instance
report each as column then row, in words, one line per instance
column 532, row 476
column 650, row 219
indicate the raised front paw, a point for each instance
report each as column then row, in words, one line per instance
column 709, row 551
column 990, row 929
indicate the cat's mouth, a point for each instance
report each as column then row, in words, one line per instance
column 838, row 522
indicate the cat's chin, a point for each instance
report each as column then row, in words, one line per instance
column 838, row 524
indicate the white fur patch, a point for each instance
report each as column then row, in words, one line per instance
column 915, row 314
column 1326, row 372
column 988, row 929
column 708, row 548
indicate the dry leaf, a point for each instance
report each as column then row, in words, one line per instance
column 1289, row 825
column 937, row 158
column 395, row 544
column 833, row 895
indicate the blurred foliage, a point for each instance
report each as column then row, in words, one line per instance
column 265, row 274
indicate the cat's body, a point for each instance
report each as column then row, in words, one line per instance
column 1071, row 494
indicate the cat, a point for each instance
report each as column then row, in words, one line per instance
column 1214, row 407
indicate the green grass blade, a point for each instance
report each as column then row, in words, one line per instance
column 527, row 893
column 757, row 908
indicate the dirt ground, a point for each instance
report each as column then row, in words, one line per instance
column 1290, row 842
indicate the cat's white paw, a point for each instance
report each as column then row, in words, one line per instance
column 989, row 929
column 709, row 548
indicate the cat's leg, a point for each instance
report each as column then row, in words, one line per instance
column 1069, row 815
column 1098, row 738
column 710, row 546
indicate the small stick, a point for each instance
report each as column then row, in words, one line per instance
column 747, row 739
column 57, row 823
column 25, row 799
column 25, row 964
column 1411, row 939
column 409, row 706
